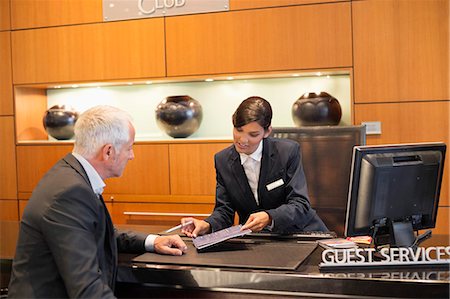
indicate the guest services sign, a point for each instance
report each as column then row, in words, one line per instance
column 369, row 257
column 114, row 10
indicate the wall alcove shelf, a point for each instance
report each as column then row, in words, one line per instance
column 218, row 95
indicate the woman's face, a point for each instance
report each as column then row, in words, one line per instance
column 247, row 138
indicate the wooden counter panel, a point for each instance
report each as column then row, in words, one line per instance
column 247, row 4
column 294, row 37
column 192, row 168
column 409, row 123
column 115, row 50
column 8, row 177
column 401, row 50
column 148, row 173
column 45, row 13
column 34, row 161
column 119, row 217
column 6, row 93
column 5, row 17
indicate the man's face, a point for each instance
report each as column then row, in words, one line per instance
column 247, row 138
column 122, row 155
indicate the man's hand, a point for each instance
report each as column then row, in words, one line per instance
column 171, row 245
column 257, row 221
column 197, row 228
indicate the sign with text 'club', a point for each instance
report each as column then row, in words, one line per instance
column 115, row 10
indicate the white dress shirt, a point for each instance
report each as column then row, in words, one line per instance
column 252, row 168
column 98, row 185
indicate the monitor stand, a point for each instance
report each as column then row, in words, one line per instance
column 401, row 234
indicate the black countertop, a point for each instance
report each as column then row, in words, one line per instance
column 165, row 280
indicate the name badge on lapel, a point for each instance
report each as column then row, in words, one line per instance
column 275, row 184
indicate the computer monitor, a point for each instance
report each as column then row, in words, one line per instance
column 394, row 191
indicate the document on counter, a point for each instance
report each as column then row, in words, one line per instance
column 217, row 237
column 338, row 243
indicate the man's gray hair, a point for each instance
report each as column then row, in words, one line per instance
column 101, row 125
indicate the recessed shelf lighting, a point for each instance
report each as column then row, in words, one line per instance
column 130, row 83
column 319, row 74
column 75, row 86
column 230, row 78
column 148, row 82
column 209, row 80
column 295, row 75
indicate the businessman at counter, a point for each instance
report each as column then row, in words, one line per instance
column 67, row 245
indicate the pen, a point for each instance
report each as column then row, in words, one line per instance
column 178, row 226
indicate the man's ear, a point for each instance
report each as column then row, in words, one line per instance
column 107, row 151
column 267, row 132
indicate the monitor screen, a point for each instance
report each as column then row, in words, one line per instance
column 392, row 184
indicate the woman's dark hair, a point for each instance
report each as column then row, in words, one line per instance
column 253, row 109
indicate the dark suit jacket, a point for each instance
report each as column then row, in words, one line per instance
column 67, row 244
column 287, row 204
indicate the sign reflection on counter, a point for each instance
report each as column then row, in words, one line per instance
column 114, row 10
column 405, row 274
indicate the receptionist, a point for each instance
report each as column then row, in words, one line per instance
column 259, row 177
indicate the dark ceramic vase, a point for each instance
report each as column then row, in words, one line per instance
column 59, row 122
column 179, row 116
column 313, row 109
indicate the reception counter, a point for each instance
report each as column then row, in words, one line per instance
column 166, row 277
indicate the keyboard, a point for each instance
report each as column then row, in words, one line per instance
column 299, row 235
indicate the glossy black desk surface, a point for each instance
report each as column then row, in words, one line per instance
column 307, row 281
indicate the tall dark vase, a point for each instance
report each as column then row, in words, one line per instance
column 59, row 121
column 179, row 116
column 313, row 109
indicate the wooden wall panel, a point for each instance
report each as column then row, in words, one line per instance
column 192, row 168
column 115, row 50
column 443, row 221
column 44, row 13
column 409, row 123
column 296, row 37
column 8, row 242
column 401, row 50
column 6, row 94
column 30, row 105
column 8, row 174
column 22, row 205
column 33, row 161
column 247, row 4
column 148, row 173
column 5, row 17
column 9, row 210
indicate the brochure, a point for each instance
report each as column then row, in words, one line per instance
column 208, row 240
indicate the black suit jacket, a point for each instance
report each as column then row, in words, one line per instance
column 287, row 204
column 67, row 244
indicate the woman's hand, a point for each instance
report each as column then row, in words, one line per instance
column 196, row 228
column 257, row 221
